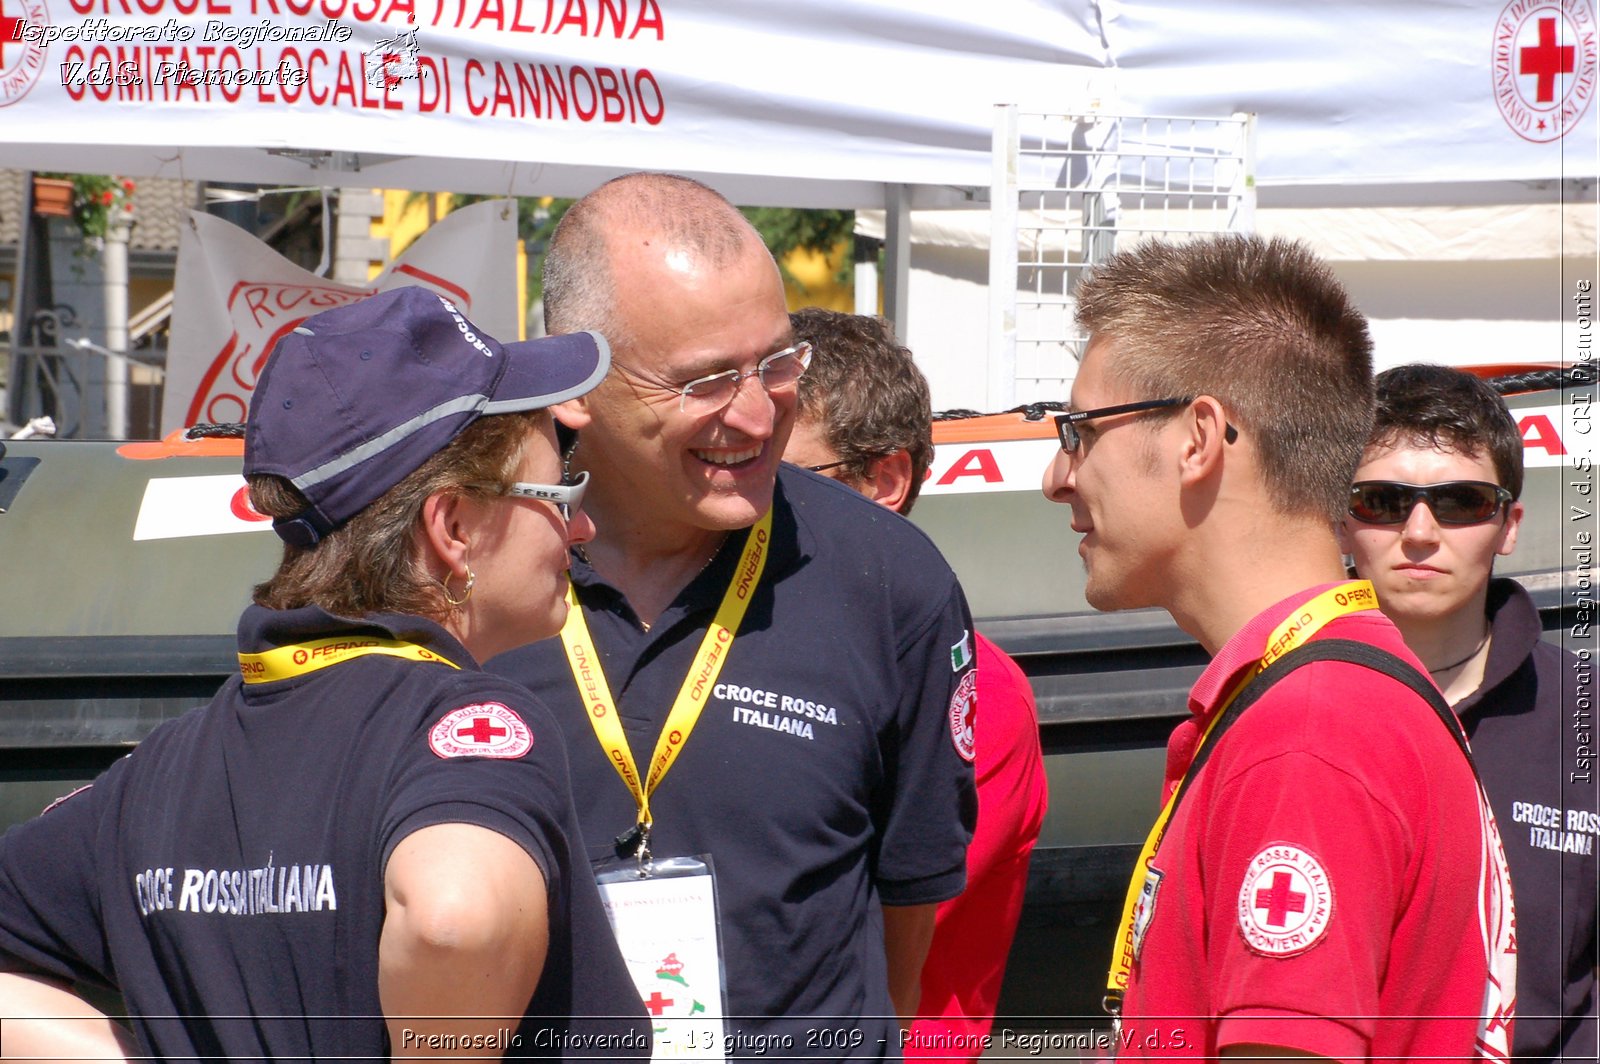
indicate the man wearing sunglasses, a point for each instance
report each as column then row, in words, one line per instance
column 1435, row 501
column 1322, row 878
column 796, row 679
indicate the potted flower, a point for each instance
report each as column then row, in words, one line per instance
column 99, row 201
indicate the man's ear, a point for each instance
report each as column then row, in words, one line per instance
column 1508, row 534
column 574, row 413
column 1207, row 431
column 888, row 480
column 1342, row 534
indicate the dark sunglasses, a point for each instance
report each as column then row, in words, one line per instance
column 1452, row 502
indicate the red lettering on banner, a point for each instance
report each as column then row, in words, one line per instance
column 432, row 76
column 472, row 105
column 261, row 315
column 1539, row 431
column 344, row 82
column 975, row 463
column 649, row 18
column 575, row 15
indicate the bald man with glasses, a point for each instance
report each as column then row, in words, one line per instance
column 768, row 682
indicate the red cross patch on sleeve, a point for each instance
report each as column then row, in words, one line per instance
column 485, row 729
column 1286, row 902
column 963, row 711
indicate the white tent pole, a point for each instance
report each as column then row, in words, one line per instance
column 115, row 260
column 1002, row 376
column 897, row 257
column 866, row 274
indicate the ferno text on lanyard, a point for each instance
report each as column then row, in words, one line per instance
column 697, row 684
column 297, row 659
column 1304, row 622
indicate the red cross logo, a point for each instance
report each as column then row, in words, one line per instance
column 8, row 30
column 1285, row 902
column 482, row 730
column 656, row 1003
column 1545, row 60
column 1280, row 901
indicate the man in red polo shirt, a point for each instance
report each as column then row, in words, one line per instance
column 1329, row 881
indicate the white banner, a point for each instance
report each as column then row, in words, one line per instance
column 528, row 96
column 1384, row 102
column 235, row 297
column 781, row 103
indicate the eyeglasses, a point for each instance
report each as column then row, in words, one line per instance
column 778, row 372
column 825, row 466
column 1067, row 424
column 1452, row 502
column 567, row 498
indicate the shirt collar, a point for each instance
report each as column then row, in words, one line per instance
column 1243, row 650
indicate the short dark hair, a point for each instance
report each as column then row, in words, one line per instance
column 866, row 391
column 1265, row 328
column 1449, row 410
column 371, row 564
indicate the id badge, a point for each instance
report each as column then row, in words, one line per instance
column 664, row 916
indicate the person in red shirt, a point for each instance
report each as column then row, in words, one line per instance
column 1326, row 878
column 865, row 420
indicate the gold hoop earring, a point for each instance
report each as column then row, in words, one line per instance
column 466, row 592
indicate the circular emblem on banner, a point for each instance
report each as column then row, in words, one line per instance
column 487, row 729
column 1544, row 66
column 22, row 53
column 1286, row 902
column 963, row 711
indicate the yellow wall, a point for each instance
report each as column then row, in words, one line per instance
column 816, row 273
column 406, row 217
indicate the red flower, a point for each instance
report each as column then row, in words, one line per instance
column 128, row 186
column 106, row 198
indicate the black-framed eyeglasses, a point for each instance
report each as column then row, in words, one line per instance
column 778, row 372
column 566, row 498
column 825, row 466
column 1067, row 424
column 1452, row 502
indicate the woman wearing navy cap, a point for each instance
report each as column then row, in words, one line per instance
column 364, row 846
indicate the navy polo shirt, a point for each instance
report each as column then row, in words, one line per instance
column 227, row 876
column 823, row 776
column 1529, row 723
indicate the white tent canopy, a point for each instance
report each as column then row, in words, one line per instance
column 832, row 103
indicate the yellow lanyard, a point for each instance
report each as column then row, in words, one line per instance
column 297, row 659
column 1296, row 629
column 692, row 696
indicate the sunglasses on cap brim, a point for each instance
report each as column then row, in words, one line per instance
column 1452, row 502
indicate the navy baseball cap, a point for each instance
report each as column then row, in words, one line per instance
column 357, row 398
